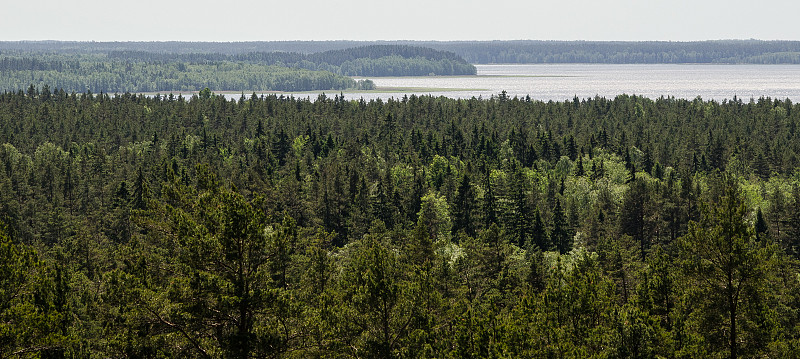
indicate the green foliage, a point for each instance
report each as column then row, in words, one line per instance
column 376, row 297
column 730, row 270
column 434, row 216
column 32, row 306
column 99, row 73
column 418, row 227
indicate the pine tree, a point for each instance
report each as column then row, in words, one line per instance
column 537, row 271
column 539, row 239
column 793, row 242
column 140, row 191
column 489, row 204
column 463, row 207
column 635, row 213
column 522, row 217
column 579, row 171
column 730, row 272
column 560, row 234
column 760, row 225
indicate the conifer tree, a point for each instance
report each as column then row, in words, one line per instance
column 463, row 207
column 729, row 271
column 560, row 233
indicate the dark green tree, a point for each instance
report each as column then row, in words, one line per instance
column 464, row 206
column 30, row 315
column 729, row 273
column 560, row 234
column 635, row 215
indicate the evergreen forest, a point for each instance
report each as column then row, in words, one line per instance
column 415, row 227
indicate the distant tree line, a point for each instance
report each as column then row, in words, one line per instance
column 476, row 52
column 625, row 52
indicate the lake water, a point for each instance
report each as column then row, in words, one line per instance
column 559, row 82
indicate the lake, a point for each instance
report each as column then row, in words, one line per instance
column 559, row 82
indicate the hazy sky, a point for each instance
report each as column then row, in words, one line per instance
column 219, row 20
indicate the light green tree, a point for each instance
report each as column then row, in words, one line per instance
column 434, row 215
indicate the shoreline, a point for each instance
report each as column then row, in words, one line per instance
column 350, row 91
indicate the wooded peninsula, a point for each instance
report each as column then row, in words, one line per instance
column 121, row 71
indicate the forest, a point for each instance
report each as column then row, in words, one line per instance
column 628, row 52
column 475, row 52
column 416, row 227
column 98, row 74
column 372, row 60
column 121, row 71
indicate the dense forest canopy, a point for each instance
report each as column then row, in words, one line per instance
column 119, row 71
column 477, row 52
column 270, row 226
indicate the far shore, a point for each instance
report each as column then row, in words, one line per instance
column 331, row 92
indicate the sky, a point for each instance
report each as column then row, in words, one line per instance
column 445, row 20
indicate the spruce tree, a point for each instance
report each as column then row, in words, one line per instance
column 560, row 234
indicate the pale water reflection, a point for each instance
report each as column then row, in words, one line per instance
column 559, row 82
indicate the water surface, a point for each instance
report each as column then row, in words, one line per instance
column 559, row 82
